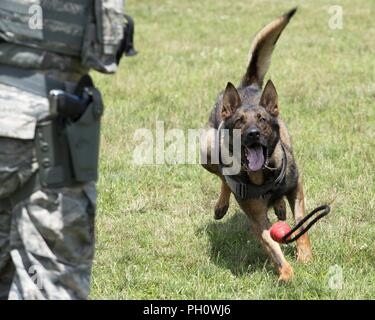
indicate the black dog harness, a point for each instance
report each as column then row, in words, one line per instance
column 243, row 189
column 241, row 186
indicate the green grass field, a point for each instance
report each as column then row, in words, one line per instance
column 156, row 236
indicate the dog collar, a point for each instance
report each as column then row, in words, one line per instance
column 242, row 188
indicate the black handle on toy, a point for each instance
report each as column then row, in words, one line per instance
column 325, row 210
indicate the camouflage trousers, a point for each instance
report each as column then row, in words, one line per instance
column 46, row 240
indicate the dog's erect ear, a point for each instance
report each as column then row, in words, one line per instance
column 269, row 99
column 231, row 101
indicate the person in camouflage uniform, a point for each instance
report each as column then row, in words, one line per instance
column 46, row 239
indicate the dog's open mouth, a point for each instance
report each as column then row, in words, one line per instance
column 255, row 156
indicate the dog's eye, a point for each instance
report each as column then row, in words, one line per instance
column 262, row 120
column 239, row 121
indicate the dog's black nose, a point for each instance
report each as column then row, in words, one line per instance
column 253, row 133
column 252, row 136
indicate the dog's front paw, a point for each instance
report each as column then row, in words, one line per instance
column 221, row 211
column 280, row 209
column 286, row 273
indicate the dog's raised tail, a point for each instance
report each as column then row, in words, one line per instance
column 262, row 48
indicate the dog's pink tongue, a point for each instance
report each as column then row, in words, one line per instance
column 255, row 158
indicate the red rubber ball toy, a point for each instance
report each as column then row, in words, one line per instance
column 279, row 230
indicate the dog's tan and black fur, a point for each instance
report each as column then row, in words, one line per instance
column 256, row 113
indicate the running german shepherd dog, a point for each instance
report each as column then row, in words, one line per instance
column 268, row 171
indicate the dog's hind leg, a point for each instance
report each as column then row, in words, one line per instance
column 260, row 224
column 297, row 204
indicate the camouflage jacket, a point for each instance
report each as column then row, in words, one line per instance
column 20, row 110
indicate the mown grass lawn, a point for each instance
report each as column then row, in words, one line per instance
column 156, row 236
